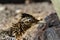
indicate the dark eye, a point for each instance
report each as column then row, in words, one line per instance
column 29, row 19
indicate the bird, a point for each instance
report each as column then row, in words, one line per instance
column 24, row 23
column 21, row 26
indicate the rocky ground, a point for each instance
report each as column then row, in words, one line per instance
column 46, row 29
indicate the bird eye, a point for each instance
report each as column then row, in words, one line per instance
column 29, row 19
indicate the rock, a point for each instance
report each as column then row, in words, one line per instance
column 58, row 31
column 50, row 34
column 52, row 20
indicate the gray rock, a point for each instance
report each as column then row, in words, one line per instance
column 50, row 34
column 52, row 20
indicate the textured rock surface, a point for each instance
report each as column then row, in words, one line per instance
column 52, row 20
column 50, row 34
